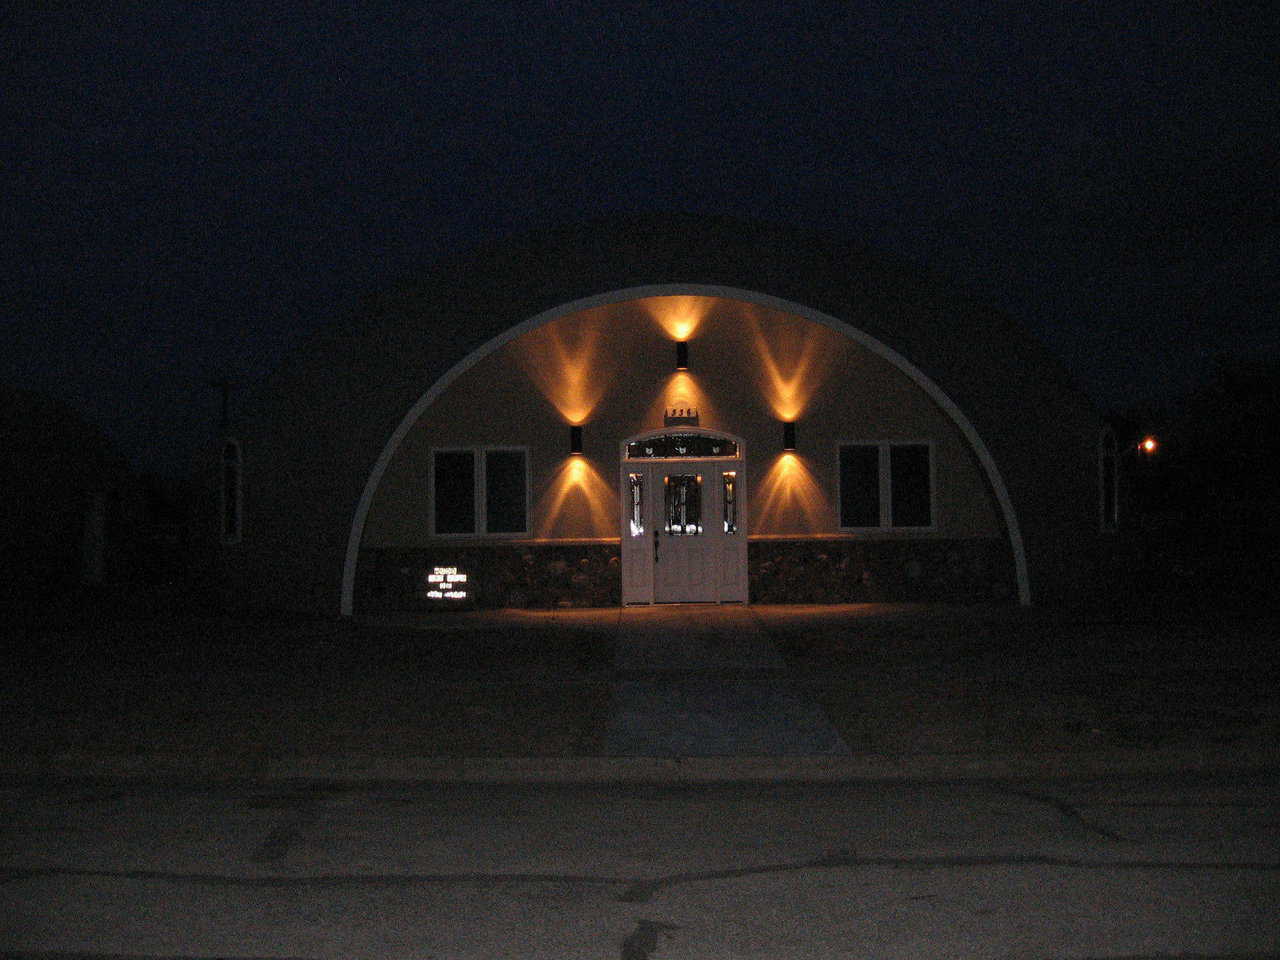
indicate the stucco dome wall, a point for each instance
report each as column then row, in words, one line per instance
column 314, row 432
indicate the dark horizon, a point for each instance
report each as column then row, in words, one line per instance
column 193, row 192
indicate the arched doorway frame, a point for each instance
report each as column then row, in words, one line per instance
column 879, row 348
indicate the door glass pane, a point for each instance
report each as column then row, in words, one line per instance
column 730, row 501
column 636, row 487
column 683, row 495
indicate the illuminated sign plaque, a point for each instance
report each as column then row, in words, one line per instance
column 447, row 583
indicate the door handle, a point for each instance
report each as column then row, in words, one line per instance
column 655, row 544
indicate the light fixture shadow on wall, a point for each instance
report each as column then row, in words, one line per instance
column 682, row 355
column 788, row 435
column 575, row 439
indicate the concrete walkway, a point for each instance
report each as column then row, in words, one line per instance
column 699, row 681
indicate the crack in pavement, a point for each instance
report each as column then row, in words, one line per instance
column 644, row 939
column 1183, row 805
column 276, row 844
column 81, row 955
column 643, row 890
column 12, row 874
column 1068, row 811
column 631, row 950
column 637, row 890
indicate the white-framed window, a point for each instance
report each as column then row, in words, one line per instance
column 479, row 491
column 1108, row 481
column 885, row 485
column 231, row 493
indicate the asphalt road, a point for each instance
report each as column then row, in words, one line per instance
column 1139, row 867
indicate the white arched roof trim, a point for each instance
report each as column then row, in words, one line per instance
column 689, row 289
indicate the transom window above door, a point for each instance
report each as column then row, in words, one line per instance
column 679, row 446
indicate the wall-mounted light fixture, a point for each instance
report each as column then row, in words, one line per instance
column 575, row 438
column 682, row 355
column 789, row 435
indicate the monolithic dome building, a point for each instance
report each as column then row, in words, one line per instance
column 663, row 409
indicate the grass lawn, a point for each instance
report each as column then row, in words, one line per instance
column 898, row 681
column 1018, row 681
column 263, row 690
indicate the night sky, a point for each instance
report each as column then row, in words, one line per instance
column 188, row 191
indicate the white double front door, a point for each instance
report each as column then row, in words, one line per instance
column 684, row 531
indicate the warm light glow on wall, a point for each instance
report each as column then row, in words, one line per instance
column 793, row 360
column 565, row 362
column 578, row 503
column 679, row 317
column 681, row 392
column 789, row 500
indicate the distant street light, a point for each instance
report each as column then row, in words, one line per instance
column 1148, row 445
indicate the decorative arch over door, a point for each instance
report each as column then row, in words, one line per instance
column 684, row 521
column 945, row 403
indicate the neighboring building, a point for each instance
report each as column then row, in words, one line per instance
column 663, row 409
column 70, row 508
